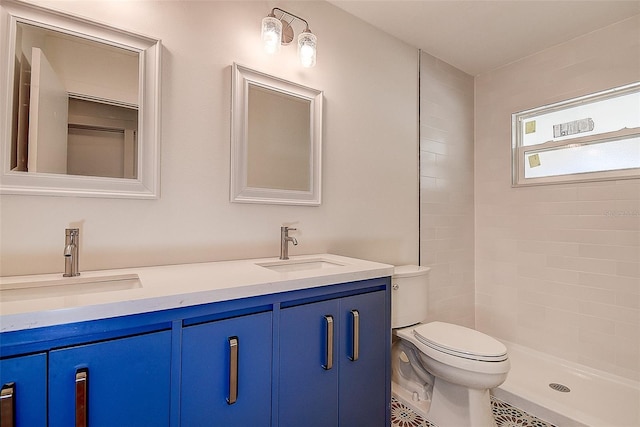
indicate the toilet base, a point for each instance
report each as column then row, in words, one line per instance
column 408, row 399
column 453, row 405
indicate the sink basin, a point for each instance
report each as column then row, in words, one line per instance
column 300, row 265
column 65, row 286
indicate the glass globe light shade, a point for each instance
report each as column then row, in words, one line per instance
column 271, row 34
column 307, row 42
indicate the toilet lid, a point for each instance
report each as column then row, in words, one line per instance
column 460, row 341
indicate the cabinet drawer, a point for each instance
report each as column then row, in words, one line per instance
column 308, row 382
column 362, row 382
column 226, row 372
column 26, row 376
column 333, row 366
column 128, row 382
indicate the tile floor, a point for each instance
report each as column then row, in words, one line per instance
column 504, row 414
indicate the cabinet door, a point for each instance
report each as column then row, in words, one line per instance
column 362, row 360
column 127, row 382
column 308, row 378
column 226, row 372
column 24, row 391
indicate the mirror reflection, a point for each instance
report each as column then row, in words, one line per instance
column 279, row 144
column 75, row 105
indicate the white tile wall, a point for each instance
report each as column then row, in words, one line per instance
column 558, row 266
column 446, row 189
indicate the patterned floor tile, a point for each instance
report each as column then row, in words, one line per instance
column 510, row 416
column 402, row 416
column 504, row 414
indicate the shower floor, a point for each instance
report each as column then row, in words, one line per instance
column 504, row 414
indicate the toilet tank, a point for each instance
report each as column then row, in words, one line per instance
column 409, row 295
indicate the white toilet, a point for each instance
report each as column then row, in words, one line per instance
column 441, row 370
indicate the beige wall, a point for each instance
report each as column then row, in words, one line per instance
column 558, row 266
column 370, row 182
column 446, row 189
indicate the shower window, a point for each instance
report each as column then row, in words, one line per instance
column 594, row 137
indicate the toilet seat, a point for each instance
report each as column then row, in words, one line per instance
column 470, row 363
column 460, row 342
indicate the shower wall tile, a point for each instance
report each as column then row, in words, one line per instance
column 615, row 283
column 446, row 189
column 558, row 266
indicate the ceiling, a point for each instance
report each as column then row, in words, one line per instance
column 477, row 36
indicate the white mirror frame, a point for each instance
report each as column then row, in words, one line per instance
column 147, row 184
column 242, row 77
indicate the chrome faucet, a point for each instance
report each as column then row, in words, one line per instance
column 284, row 241
column 71, row 237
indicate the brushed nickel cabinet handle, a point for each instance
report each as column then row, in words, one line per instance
column 233, row 370
column 329, row 356
column 82, row 380
column 355, row 339
column 8, row 405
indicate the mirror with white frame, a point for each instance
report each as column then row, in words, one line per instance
column 276, row 140
column 80, row 107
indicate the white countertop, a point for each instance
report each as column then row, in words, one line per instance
column 173, row 286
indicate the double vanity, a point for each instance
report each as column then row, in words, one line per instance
column 262, row 342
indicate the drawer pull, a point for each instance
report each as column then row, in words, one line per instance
column 82, row 380
column 8, row 405
column 355, row 339
column 329, row 356
column 233, row 370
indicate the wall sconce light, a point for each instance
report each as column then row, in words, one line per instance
column 278, row 31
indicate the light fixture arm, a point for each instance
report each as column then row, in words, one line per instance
column 284, row 12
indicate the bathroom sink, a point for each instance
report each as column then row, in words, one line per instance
column 300, row 265
column 65, row 286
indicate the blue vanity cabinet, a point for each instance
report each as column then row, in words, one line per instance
column 332, row 368
column 308, row 380
column 119, row 382
column 362, row 368
column 226, row 372
column 24, row 390
column 314, row 356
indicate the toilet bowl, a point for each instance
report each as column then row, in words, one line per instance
column 441, row 370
